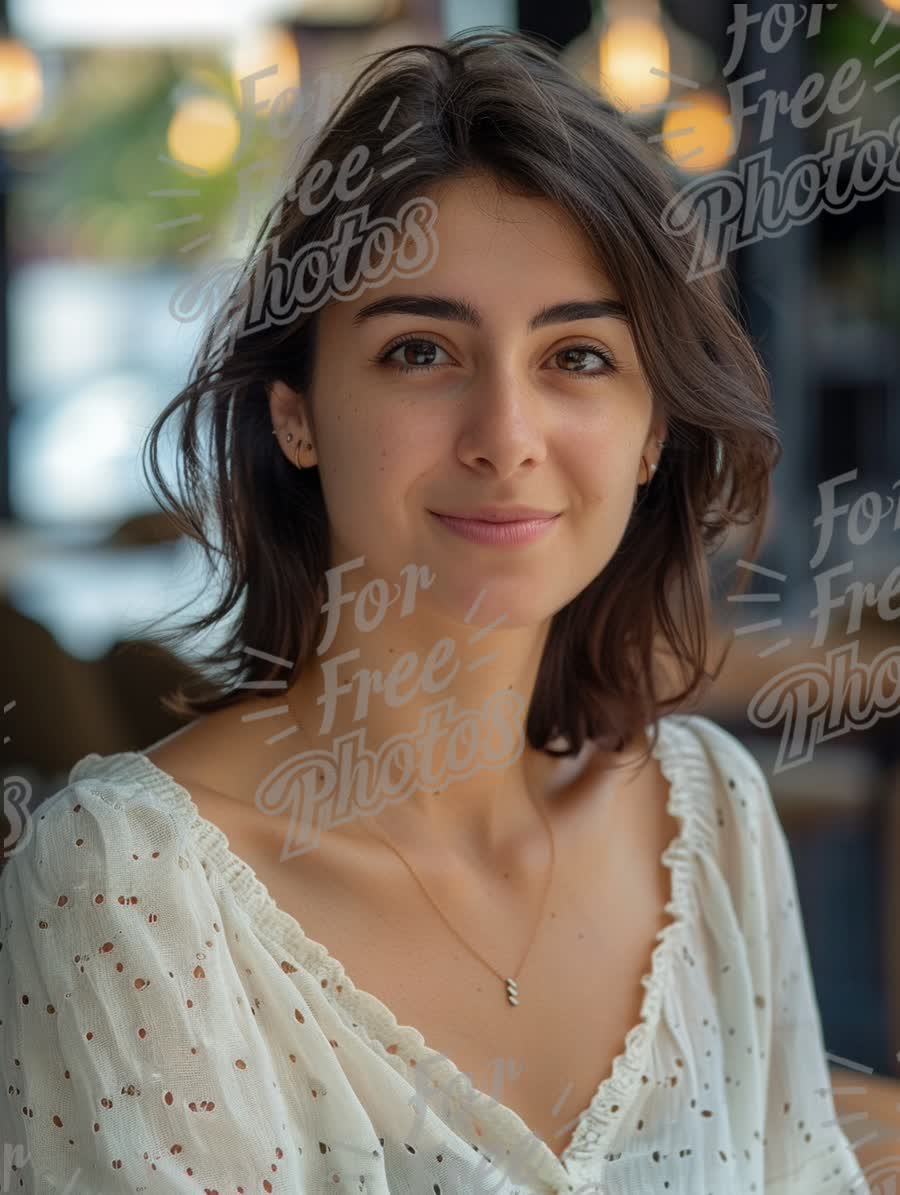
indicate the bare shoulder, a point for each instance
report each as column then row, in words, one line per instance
column 649, row 793
column 220, row 761
column 619, row 812
column 215, row 757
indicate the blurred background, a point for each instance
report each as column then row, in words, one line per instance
column 131, row 166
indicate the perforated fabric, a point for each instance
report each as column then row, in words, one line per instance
column 167, row 1029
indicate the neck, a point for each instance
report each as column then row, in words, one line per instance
column 431, row 717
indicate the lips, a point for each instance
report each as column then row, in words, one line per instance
column 498, row 532
column 500, row 514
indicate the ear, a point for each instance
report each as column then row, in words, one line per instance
column 658, row 431
column 289, row 418
column 284, row 406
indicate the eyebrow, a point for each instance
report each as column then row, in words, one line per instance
column 438, row 307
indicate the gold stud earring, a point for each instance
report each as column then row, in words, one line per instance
column 649, row 469
column 289, row 437
column 652, row 468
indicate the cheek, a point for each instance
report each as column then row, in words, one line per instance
column 354, row 441
column 369, row 467
column 402, row 447
column 601, row 468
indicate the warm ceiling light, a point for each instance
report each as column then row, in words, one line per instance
column 698, row 135
column 204, row 133
column 255, row 53
column 630, row 50
column 21, row 87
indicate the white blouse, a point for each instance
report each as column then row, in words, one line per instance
column 166, row 1028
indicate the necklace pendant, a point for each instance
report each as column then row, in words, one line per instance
column 512, row 991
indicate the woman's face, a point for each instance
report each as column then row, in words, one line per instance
column 554, row 416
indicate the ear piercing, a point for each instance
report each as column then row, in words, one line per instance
column 289, row 437
column 652, row 468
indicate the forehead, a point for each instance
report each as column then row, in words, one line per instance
column 507, row 254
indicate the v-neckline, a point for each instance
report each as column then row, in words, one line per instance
column 283, row 934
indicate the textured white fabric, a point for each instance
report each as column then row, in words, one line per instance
column 166, row 1028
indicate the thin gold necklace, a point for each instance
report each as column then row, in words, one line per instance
column 510, row 981
column 512, row 988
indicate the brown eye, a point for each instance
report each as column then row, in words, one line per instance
column 418, row 346
column 576, row 355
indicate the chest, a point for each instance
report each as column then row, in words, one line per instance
column 579, row 985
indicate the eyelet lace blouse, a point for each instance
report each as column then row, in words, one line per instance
column 166, row 1028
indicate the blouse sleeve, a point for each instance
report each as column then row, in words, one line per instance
column 121, row 1037
column 805, row 1147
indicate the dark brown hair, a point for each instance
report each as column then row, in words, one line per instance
column 497, row 103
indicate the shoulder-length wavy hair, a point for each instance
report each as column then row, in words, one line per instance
column 499, row 103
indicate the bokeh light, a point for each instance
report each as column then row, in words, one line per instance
column 628, row 51
column 698, row 136
column 257, row 52
column 21, row 86
column 204, row 132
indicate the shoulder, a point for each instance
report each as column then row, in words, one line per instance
column 101, row 844
column 719, row 751
column 219, row 755
column 122, row 993
column 106, row 888
column 108, row 799
column 721, row 772
column 738, row 831
column 747, row 844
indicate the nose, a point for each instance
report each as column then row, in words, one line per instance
column 504, row 425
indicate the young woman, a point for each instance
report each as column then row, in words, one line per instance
column 437, row 891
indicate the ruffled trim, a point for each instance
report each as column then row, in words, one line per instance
column 683, row 763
